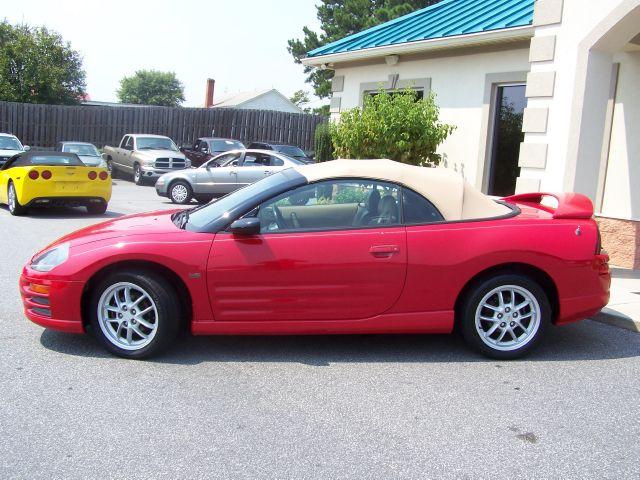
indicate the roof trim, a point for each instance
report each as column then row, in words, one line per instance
column 444, row 43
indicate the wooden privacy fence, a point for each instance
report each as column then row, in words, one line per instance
column 45, row 125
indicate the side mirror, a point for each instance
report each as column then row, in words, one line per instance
column 246, row 226
column 26, row 148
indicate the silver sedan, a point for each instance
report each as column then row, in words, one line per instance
column 221, row 175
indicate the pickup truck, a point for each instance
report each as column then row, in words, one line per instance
column 146, row 157
column 205, row 148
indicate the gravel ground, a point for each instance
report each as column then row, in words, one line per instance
column 304, row 407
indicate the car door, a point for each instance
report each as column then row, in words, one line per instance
column 255, row 166
column 125, row 153
column 218, row 181
column 312, row 259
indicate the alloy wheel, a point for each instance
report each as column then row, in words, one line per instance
column 508, row 317
column 12, row 198
column 179, row 193
column 127, row 316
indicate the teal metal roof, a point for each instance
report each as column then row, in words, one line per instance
column 444, row 19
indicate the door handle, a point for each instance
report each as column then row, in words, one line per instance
column 384, row 250
column 267, row 172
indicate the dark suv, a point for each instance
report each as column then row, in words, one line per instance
column 288, row 150
column 206, row 148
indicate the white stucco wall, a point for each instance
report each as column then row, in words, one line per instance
column 271, row 101
column 622, row 185
column 459, row 84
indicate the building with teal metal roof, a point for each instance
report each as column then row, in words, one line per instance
column 447, row 18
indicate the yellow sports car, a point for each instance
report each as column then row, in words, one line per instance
column 36, row 179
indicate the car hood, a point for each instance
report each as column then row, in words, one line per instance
column 160, row 154
column 127, row 226
column 9, row 153
column 90, row 161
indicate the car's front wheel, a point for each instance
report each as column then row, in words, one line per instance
column 138, row 178
column 180, row 192
column 135, row 314
column 14, row 204
column 505, row 316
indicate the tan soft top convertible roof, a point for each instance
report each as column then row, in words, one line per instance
column 450, row 193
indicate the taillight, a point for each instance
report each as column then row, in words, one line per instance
column 33, row 174
column 92, row 175
column 103, row 175
column 46, row 174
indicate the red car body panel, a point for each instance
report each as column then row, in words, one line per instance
column 378, row 280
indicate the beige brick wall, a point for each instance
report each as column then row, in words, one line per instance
column 621, row 240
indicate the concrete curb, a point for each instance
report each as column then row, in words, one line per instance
column 612, row 317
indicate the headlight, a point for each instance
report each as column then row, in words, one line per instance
column 50, row 259
column 187, row 163
column 160, row 181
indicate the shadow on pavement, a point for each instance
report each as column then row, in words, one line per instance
column 582, row 341
column 65, row 213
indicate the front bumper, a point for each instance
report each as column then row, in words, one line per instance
column 54, row 304
column 151, row 172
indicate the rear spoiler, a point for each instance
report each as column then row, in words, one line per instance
column 570, row 205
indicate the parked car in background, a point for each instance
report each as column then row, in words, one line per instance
column 289, row 150
column 205, row 148
column 87, row 152
column 10, row 146
column 221, row 175
column 341, row 247
column 41, row 179
column 146, row 157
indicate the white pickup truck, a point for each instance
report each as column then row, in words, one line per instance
column 146, row 157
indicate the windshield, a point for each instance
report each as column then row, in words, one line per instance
column 81, row 149
column 202, row 216
column 225, row 145
column 156, row 143
column 290, row 150
column 10, row 143
column 54, row 160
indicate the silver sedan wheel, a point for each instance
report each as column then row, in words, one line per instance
column 508, row 317
column 12, row 198
column 179, row 193
column 127, row 316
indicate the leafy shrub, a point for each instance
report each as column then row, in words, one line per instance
column 395, row 125
column 323, row 143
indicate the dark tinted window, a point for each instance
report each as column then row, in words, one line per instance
column 417, row 209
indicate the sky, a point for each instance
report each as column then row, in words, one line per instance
column 242, row 44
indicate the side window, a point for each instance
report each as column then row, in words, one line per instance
column 129, row 145
column 276, row 162
column 204, row 147
column 331, row 205
column 250, row 160
column 123, row 142
column 418, row 210
column 196, row 146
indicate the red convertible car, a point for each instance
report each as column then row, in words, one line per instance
column 349, row 246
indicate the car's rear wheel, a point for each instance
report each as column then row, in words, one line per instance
column 14, row 204
column 97, row 208
column 505, row 316
column 135, row 314
column 180, row 192
column 138, row 178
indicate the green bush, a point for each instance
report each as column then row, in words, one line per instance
column 395, row 125
column 323, row 144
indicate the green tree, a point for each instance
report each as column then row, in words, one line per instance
column 38, row 66
column 394, row 125
column 151, row 87
column 300, row 98
column 322, row 143
column 339, row 19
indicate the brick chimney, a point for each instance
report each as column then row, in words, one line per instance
column 208, row 99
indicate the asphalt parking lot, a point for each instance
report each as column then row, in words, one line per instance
column 304, row 407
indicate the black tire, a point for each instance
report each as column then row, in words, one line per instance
column 180, row 192
column 203, row 199
column 165, row 298
column 138, row 178
column 509, row 319
column 15, row 208
column 97, row 208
